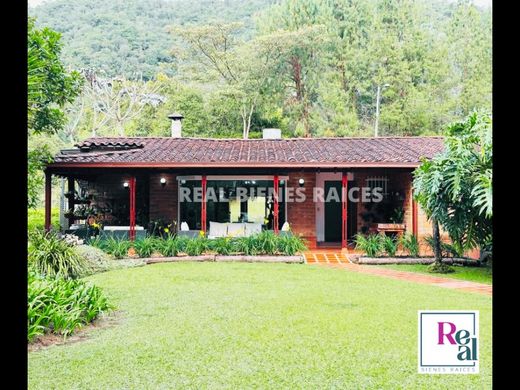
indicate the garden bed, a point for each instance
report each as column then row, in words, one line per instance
column 416, row 260
column 230, row 258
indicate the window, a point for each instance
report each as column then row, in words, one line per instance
column 378, row 182
column 232, row 200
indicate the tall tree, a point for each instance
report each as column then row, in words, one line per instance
column 455, row 188
column 240, row 69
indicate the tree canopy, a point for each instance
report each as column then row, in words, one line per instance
column 455, row 188
column 331, row 57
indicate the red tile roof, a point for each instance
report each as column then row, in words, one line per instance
column 312, row 152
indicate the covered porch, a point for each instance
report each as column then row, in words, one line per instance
column 332, row 210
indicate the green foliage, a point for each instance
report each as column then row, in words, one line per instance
column 114, row 246
column 310, row 67
column 49, row 85
column 144, row 247
column 455, row 187
column 290, row 245
column 410, row 244
column 36, row 219
column 447, row 249
column 168, row 246
column 440, row 268
column 52, row 256
column 61, row 306
column 36, row 162
column 98, row 260
column 196, row 246
column 389, row 245
column 370, row 244
column 265, row 243
column 222, row 245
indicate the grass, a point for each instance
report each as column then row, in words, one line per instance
column 240, row 325
column 472, row 274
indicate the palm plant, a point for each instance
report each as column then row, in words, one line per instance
column 53, row 256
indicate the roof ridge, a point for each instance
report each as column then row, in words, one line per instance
column 92, row 139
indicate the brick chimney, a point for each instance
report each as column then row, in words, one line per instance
column 176, row 125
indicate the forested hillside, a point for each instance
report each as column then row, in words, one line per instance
column 123, row 37
column 309, row 67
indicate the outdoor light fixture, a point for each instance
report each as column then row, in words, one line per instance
column 163, row 181
column 183, row 181
column 282, row 182
column 126, row 184
column 301, row 182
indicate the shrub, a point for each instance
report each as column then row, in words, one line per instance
column 440, row 268
column 370, row 244
column 61, row 306
column 145, row 246
column 249, row 246
column 98, row 260
column 117, row 247
column 388, row 244
column 168, row 247
column 410, row 244
column 53, row 256
column 267, row 242
column 290, row 245
column 196, row 246
column 222, row 245
column 447, row 249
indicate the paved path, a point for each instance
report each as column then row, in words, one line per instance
column 338, row 259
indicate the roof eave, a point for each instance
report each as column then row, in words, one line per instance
column 169, row 165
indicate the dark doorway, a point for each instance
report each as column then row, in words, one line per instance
column 351, row 215
column 332, row 211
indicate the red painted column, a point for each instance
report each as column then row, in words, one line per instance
column 415, row 226
column 276, row 185
column 344, row 200
column 131, row 185
column 48, row 188
column 203, row 204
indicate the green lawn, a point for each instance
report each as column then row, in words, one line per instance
column 216, row 325
column 473, row 274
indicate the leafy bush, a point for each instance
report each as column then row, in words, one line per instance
column 145, row 246
column 222, row 245
column 267, row 242
column 388, row 244
column 117, row 247
column 168, row 247
column 196, row 246
column 440, row 268
column 61, row 306
column 249, row 246
column 410, row 244
column 52, row 256
column 98, row 260
column 370, row 244
column 447, row 249
column 290, row 245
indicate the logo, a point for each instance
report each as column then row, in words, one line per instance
column 448, row 342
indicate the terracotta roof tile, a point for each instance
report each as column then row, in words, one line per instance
column 263, row 152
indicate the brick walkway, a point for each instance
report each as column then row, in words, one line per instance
column 338, row 259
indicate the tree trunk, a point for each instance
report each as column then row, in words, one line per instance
column 436, row 242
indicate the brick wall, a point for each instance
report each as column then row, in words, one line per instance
column 302, row 216
column 163, row 199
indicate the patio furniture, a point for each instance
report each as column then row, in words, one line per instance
column 397, row 228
